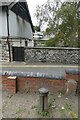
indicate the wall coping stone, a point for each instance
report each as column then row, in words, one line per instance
column 12, row 77
column 31, row 74
column 60, row 48
column 72, row 71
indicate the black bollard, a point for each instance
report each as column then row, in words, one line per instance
column 43, row 98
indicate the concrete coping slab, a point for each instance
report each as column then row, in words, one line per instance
column 61, row 48
column 72, row 71
column 31, row 74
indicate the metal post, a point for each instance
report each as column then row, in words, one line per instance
column 43, row 99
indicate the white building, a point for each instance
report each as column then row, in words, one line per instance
column 16, row 28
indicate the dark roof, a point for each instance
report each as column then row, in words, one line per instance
column 21, row 9
column 78, row 4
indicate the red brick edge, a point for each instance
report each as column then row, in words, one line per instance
column 15, row 84
column 30, row 84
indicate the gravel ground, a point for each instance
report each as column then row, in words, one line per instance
column 26, row 105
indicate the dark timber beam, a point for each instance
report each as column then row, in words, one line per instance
column 7, row 12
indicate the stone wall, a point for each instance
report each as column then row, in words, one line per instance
column 0, row 52
column 52, row 55
column 4, row 52
column 42, row 54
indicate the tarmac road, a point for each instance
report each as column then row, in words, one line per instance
column 41, row 68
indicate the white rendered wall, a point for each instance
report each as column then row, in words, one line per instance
column 3, row 23
column 19, row 27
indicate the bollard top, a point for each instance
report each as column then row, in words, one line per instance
column 43, row 91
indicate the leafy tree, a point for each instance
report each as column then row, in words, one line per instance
column 69, row 25
column 37, row 28
column 50, row 43
column 62, row 21
column 46, row 13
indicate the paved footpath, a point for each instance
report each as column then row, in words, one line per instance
column 23, row 64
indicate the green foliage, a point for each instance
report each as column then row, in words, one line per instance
column 50, row 43
column 62, row 21
column 68, row 106
column 68, row 26
column 37, row 28
column 44, row 113
column 18, row 118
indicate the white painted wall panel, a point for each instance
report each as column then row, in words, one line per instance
column 19, row 27
column 3, row 23
column 0, row 22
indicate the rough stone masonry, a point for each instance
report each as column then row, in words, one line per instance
column 52, row 55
